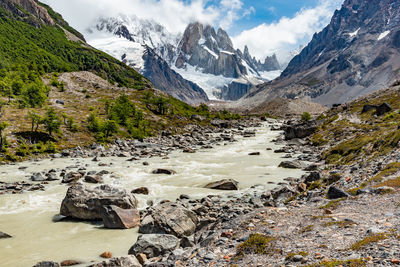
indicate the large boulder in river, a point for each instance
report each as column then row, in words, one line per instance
column 85, row 203
column 226, row 184
column 126, row 261
column 169, row 218
column 117, row 218
column 154, row 245
column 300, row 130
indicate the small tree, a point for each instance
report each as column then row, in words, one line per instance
column 110, row 127
column 3, row 126
column 51, row 121
column 35, row 95
column 35, row 120
column 306, row 117
column 121, row 110
column 161, row 105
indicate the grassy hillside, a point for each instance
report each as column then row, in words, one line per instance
column 57, row 92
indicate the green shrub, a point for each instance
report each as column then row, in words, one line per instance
column 306, row 117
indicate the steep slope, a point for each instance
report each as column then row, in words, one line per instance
column 357, row 53
column 147, row 47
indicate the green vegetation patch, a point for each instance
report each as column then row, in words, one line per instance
column 257, row 244
column 346, row 263
column 333, row 204
column 368, row 240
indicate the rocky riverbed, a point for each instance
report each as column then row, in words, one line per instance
column 310, row 220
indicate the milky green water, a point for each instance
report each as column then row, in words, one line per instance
column 28, row 217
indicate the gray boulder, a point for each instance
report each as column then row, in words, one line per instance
column 226, row 184
column 117, row 218
column 154, row 245
column 335, row 193
column 85, row 203
column 38, row 177
column 164, row 171
column 295, row 164
column 169, row 218
column 300, row 130
column 71, row 177
column 47, row 264
column 126, row 261
column 4, row 235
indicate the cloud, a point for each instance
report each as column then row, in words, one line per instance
column 287, row 34
column 175, row 15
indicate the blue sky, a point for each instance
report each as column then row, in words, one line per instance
column 265, row 26
column 268, row 11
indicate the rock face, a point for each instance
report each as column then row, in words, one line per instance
column 167, row 80
column 126, row 261
column 154, row 245
column 357, row 53
column 117, row 218
column 86, row 203
column 226, row 184
column 40, row 14
column 169, row 218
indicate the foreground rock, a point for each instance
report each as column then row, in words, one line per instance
column 226, row 184
column 4, row 235
column 154, row 245
column 169, row 218
column 86, row 203
column 127, row 261
column 117, row 218
column 141, row 191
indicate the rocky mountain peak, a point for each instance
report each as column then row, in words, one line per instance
column 39, row 13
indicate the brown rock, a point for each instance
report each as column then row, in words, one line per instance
column 117, row 218
column 106, row 255
column 140, row 190
column 94, row 179
column 395, row 261
column 70, row 263
column 226, row 184
column 142, row 258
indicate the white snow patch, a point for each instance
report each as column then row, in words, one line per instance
column 353, row 34
column 211, row 84
column 117, row 47
column 210, row 51
column 270, row 75
column 202, row 41
column 227, row 52
column 383, row 35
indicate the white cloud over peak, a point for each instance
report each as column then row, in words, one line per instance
column 287, row 34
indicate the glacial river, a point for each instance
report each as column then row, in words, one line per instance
column 28, row 217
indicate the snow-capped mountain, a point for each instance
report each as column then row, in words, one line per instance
column 356, row 54
column 201, row 55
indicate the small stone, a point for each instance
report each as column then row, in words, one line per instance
column 164, row 171
column 335, row 193
column 297, row 258
column 146, row 163
column 395, row 261
column 93, row 179
column 254, row 154
column 142, row 258
column 140, row 190
column 106, row 255
column 4, row 235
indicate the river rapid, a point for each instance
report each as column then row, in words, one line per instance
column 28, row 217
